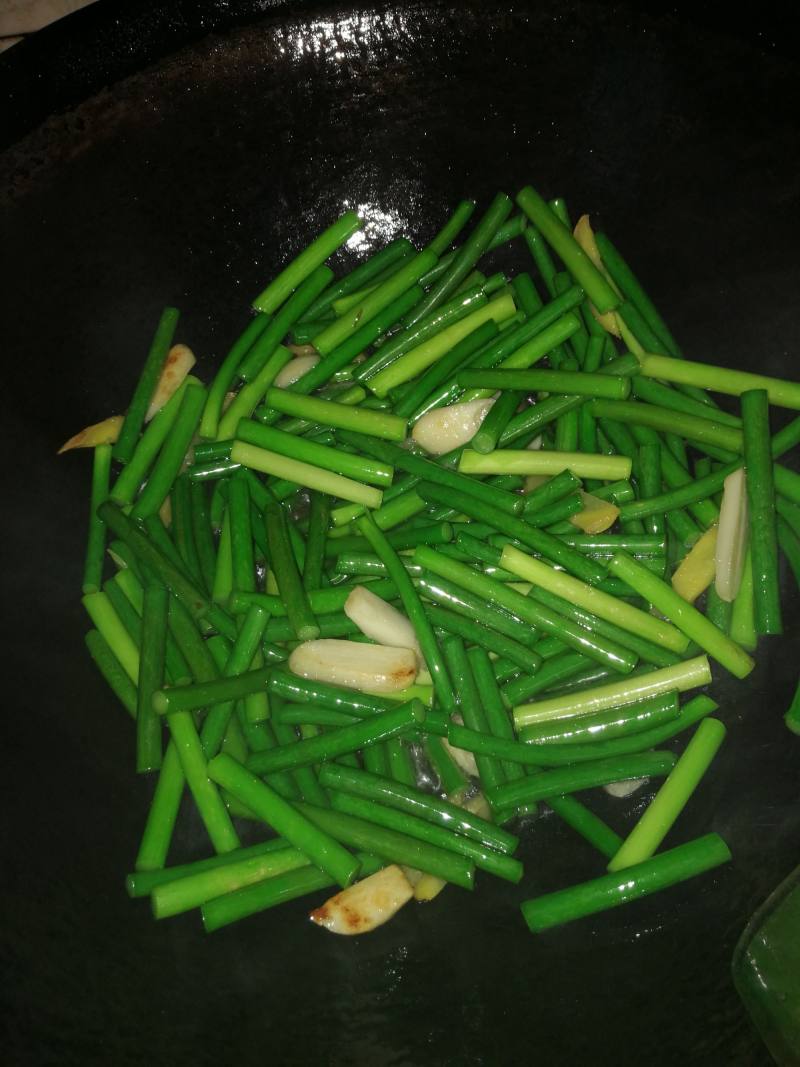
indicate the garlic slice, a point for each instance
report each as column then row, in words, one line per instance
column 626, row 788
column 180, row 360
column 696, row 571
column 365, row 904
column 444, row 429
column 381, row 621
column 294, row 370
column 597, row 515
column 429, row 886
column 99, row 433
column 461, row 757
column 373, row 668
column 584, row 235
column 731, row 536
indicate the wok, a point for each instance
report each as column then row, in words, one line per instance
column 179, row 153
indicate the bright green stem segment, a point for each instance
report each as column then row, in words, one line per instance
column 453, row 227
column 340, row 416
column 609, row 891
column 416, row 361
column 151, row 677
column 287, row 575
column 135, row 470
column 571, row 383
column 101, row 611
column 464, row 258
column 681, row 677
column 361, row 468
column 412, row 605
column 672, row 797
column 628, row 283
column 415, row 802
column 562, row 780
column 761, row 512
column 335, row 743
column 692, row 427
column 250, row 395
column 223, row 380
column 305, row 474
column 224, row 910
column 193, row 890
column 96, row 539
column 284, row 818
column 297, row 304
column 205, row 694
column 742, row 627
column 142, row 883
column 112, row 670
column 564, row 245
column 702, row 488
column 686, row 617
column 585, row 596
column 558, row 755
column 173, row 451
column 145, row 387
column 536, row 461
column 308, row 260
column 524, row 354
column 497, row 863
column 499, row 595
column 366, row 272
column 163, row 813
column 373, row 303
column 210, row 806
column 602, row 726
column 392, row 846
column 780, row 392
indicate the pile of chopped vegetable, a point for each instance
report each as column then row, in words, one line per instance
column 424, row 555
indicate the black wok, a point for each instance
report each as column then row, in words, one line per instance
column 178, row 154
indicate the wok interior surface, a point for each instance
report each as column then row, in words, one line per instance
column 190, row 183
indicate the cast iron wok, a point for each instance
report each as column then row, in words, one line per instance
column 188, row 182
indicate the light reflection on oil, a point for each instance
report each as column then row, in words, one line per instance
column 380, row 226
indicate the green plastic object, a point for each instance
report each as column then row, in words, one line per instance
column 766, row 971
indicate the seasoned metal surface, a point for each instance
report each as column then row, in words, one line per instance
column 189, row 183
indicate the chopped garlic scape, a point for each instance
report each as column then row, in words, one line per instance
column 180, row 360
column 696, row 571
column 626, row 788
column 444, row 429
column 99, row 433
column 380, row 621
column 372, row 668
column 584, row 235
column 302, row 350
column 731, row 536
column 294, row 370
column 597, row 515
column 365, row 904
